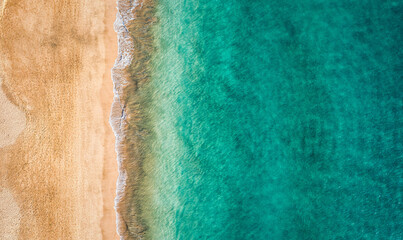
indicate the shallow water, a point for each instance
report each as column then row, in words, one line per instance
column 272, row 120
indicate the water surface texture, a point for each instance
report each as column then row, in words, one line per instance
column 266, row 120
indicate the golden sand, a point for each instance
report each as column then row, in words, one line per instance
column 57, row 159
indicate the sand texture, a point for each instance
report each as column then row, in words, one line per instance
column 57, row 159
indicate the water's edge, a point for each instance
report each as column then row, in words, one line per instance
column 128, row 75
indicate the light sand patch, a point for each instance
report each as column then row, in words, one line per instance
column 2, row 6
column 12, row 121
column 9, row 216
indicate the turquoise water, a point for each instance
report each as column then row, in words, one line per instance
column 275, row 120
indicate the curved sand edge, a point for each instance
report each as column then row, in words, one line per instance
column 12, row 120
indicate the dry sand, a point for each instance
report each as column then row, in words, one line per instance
column 57, row 159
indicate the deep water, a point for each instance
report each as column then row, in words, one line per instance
column 275, row 120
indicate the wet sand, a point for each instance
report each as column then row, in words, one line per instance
column 57, row 160
column 110, row 172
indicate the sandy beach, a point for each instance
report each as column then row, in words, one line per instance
column 57, row 159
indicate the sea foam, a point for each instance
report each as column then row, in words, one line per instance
column 129, row 73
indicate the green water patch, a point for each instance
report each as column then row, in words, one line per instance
column 275, row 120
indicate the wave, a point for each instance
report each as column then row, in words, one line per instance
column 131, row 70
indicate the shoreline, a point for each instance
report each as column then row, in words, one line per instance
column 130, row 72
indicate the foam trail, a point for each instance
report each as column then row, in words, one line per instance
column 129, row 73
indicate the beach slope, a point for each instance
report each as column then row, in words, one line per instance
column 57, row 161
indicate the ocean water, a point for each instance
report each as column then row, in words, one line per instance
column 269, row 120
